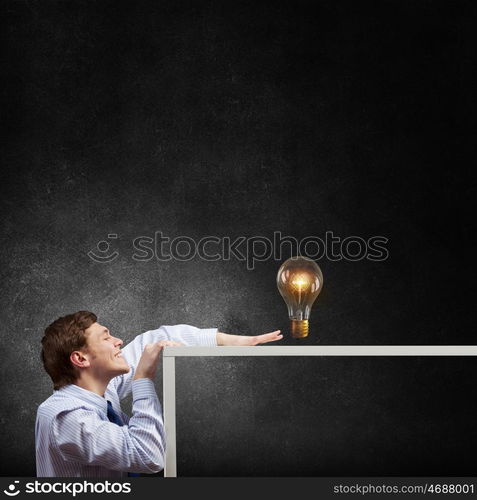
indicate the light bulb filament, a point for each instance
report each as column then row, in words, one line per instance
column 300, row 283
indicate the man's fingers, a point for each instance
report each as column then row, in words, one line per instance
column 269, row 337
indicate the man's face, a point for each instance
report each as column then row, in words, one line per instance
column 104, row 352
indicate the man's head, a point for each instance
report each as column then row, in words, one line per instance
column 76, row 345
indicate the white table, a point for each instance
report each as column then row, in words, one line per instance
column 170, row 353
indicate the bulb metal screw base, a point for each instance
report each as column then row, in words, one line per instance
column 299, row 328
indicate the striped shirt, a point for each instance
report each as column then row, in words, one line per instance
column 74, row 438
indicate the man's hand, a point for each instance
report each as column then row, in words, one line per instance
column 243, row 340
column 147, row 365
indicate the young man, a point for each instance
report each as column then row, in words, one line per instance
column 80, row 429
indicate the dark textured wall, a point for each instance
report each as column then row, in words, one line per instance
column 237, row 119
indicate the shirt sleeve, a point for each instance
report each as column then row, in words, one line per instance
column 185, row 334
column 82, row 436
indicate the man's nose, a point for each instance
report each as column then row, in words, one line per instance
column 118, row 342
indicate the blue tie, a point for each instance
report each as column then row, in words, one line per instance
column 116, row 419
column 113, row 416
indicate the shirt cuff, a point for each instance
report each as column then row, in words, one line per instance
column 208, row 337
column 143, row 388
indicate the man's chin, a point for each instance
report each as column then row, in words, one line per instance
column 122, row 370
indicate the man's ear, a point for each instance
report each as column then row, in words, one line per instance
column 79, row 359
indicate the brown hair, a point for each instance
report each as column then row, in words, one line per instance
column 61, row 338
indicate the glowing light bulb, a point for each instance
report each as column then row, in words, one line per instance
column 299, row 281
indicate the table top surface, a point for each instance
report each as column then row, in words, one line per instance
column 324, row 350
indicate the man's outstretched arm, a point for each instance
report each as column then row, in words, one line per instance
column 183, row 335
column 243, row 340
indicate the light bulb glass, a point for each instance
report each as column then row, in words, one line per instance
column 299, row 281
